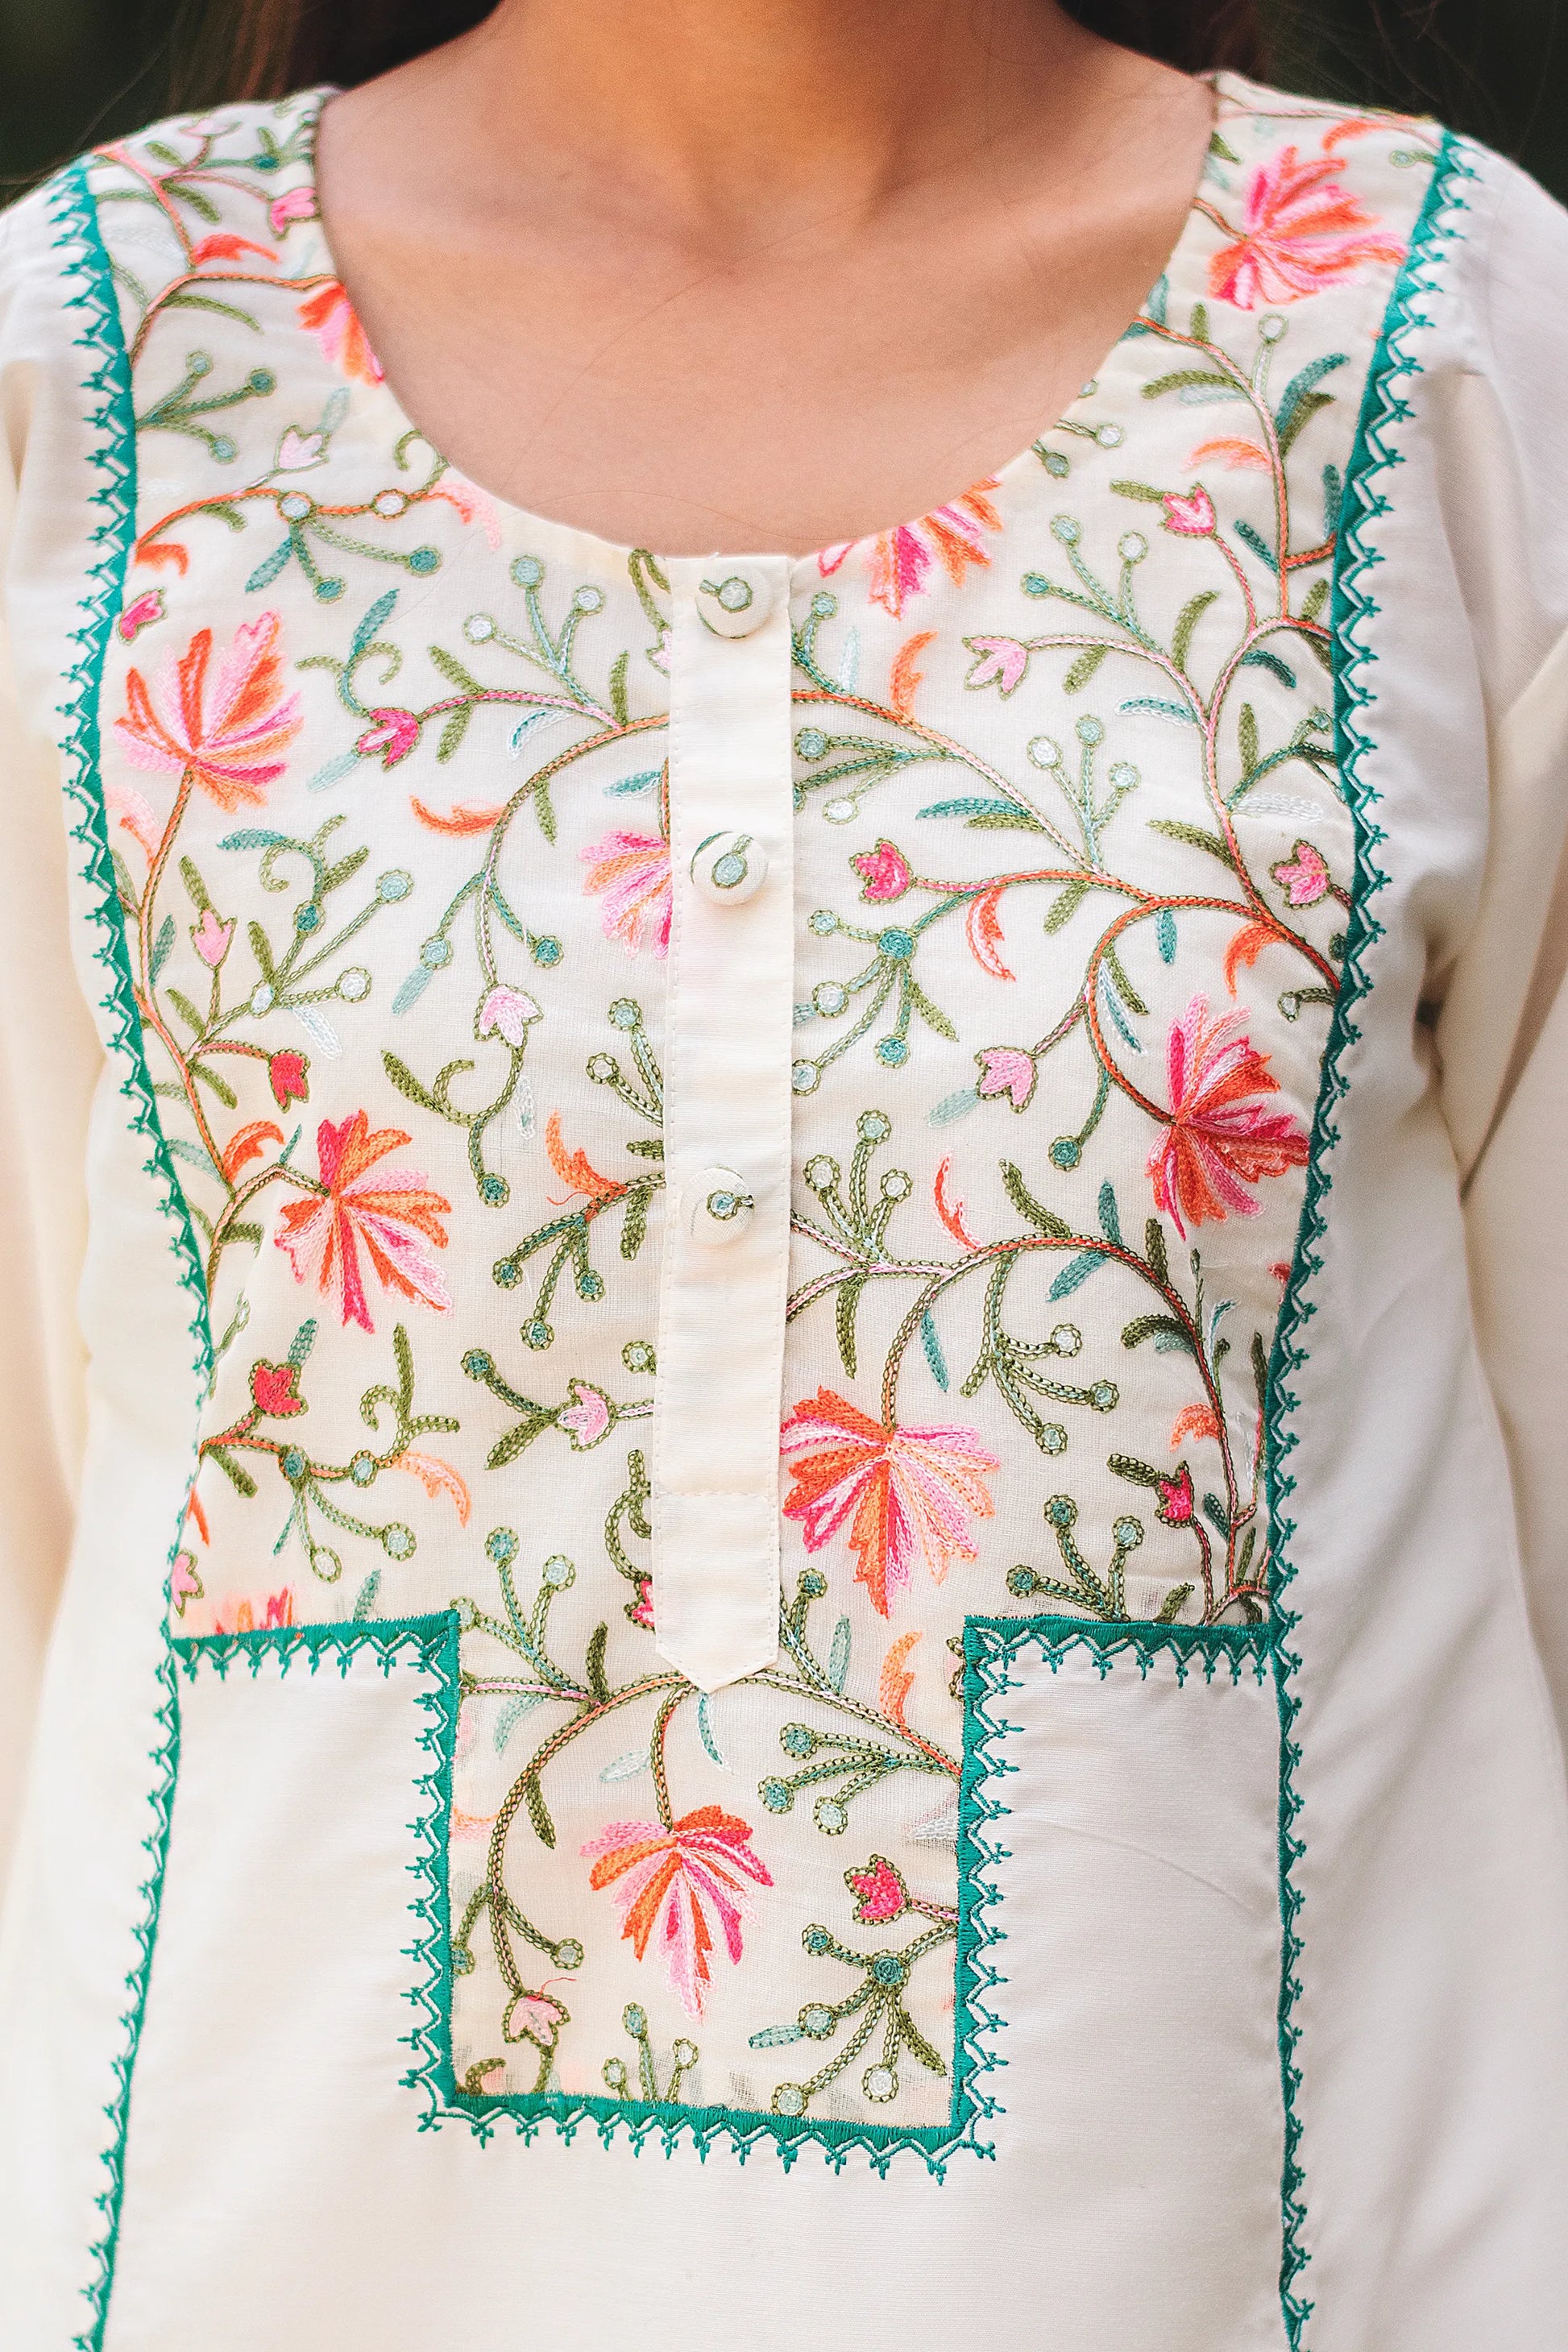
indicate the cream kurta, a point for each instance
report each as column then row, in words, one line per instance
column 761, row 1311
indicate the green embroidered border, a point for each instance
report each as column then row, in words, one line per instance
column 976, row 2027
column 110, row 422
column 992, row 1644
column 1383, row 408
column 430, row 1645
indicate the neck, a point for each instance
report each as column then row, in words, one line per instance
column 735, row 115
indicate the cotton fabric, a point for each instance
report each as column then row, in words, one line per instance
column 1127, row 1903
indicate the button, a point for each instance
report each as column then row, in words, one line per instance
column 733, row 601
column 729, row 869
column 721, row 1207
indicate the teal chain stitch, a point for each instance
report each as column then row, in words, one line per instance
column 431, row 1643
column 111, row 422
column 643, row 2121
column 1383, row 408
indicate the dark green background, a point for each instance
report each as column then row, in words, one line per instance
column 75, row 70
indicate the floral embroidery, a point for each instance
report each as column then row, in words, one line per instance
column 906, row 1492
column 1220, row 1138
column 141, row 613
column 902, row 559
column 389, row 1215
column 398, row 779
column 630, row 871
column 1003, row 1070
column 686, row 1881
column 228, row 741
column 1304, row 230
column 329, row 316
column 1303, row 875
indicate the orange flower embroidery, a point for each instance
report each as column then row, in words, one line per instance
column 329, row 316
column 1304, row 230
column 227, row 737
column 391, row 1216
column 685, row 1881
column 906, row 1493
column 1220, row 1137
column 902, row 558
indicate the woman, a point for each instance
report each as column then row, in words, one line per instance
column 788, row 1287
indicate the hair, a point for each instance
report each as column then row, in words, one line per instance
column 265, row 48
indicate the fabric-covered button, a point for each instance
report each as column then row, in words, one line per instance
column 719, row 1206
column 734, row 599
column 729, row 869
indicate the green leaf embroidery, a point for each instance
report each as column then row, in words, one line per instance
column 1023, row 1200
column 1195, row 836
column 1084, row 667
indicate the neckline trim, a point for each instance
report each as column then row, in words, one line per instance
column 1012, row 488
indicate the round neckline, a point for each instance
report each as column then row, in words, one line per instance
column 606, row 556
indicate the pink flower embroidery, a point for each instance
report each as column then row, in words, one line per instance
column 686, row 1882
column 884, row 873
column 901, row 559
column 587, row 1417
column 211, row 938
column 906, row 1493
column 228, row 737
column 1220, row 1137
column 640, row 1610
column 275, row 1389
column 184, row 1584
column 1178, row 1505
column 882, row 1893
column 329, row 315
column 506, row 1013
column 536, row 2017
column 298, row 452
column 391, row 1215
column 630, row 871
column 298, row 205
column 1192, row 517
column 140, row 612
column 1001, row 663
column 1303, row 875
column 1304, row 230
column 288, row 1072
column 278, row 1609
column 393, row 733
column 1006, row 1070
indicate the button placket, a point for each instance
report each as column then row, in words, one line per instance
column 729, row 1001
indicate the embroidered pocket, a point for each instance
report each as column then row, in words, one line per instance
column 1124, row 1784
column 1115, row 1950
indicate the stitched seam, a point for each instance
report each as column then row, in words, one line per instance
column 1383, row 408
column 991, row 1645
column 113, row 456
column 741, row 2130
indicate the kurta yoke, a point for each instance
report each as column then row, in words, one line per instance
column 783, row 1542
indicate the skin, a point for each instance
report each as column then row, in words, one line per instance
column 763, row 275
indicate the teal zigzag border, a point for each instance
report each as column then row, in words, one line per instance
column 644, row 2122
column 110, row 422
column 991, row 1646
column 1383, row 408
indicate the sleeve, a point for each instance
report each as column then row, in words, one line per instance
column 50, row 1058
column 1502, row 1030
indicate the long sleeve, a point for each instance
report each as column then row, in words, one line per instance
column 49, row 1063
column 1502, row 1031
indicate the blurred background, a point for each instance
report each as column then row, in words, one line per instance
column 74, row 71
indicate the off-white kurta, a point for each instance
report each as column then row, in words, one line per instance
column 785, row 1356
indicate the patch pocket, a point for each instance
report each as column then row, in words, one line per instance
column 300, row 1936
column 1122, row 1851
